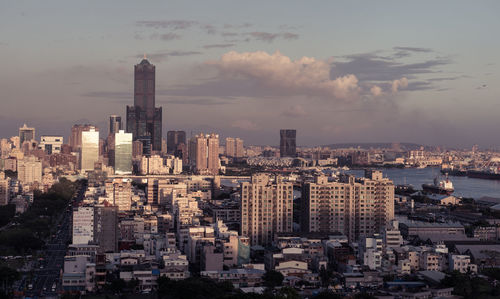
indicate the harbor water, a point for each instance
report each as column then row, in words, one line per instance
column 464, row 186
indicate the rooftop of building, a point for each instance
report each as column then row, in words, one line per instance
column 422, row 224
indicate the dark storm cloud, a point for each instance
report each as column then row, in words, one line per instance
column 171, row 24
column 218, row 46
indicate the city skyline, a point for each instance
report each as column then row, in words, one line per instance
column 368, row 78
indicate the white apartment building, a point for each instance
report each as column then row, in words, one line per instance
column 355, row 207
column 266, row 208
column 83, row 225
column 461, row 263
column 29, row 170
column 51, row 144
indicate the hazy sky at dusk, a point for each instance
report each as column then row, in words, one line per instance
column 337, row 71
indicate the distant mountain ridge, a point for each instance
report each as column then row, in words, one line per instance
column 383, row 145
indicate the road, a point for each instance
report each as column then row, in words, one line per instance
column 49, row 270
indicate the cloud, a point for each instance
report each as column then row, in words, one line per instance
column 376, row 91
column 289, row 35
column 183, row 53
column 209, row 29
column 398, row 84
column 229, row 34
column 413, row 49
column 171, row 24
column 169, row 36
column 294, row 111
column 270, row 37
column 162, row 56
column 371, row 67
column 382, row 69
column 199, row 101
column 304, row 76
column 483, row 86
column 108, row 94
column 218, row 46
column 244, row 25
column 245, row 124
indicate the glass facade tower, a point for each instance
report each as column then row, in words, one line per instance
column 288, row 143
column 123, row 153
column 89, row 151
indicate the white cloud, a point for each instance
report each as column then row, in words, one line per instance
column 399, row 84
column 376, row 90
column 304, row 76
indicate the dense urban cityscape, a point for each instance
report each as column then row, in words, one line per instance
column 137, row 208
column 132, row 210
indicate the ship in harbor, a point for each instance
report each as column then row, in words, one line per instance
column 485, row 173
column 439, row 187
column 453, row 170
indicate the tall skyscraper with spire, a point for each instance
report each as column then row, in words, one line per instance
column 144, row 120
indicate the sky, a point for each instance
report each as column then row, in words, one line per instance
column 336, row 71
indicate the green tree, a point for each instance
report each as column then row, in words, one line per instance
column 273, row 279
column 327, row 295
column 7, row 277
column 287, row 293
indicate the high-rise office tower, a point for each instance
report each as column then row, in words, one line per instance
column 213, row 162
column 144, row 120
column 230, row 147
column 204, row 154
column 234, row 147
column 122, row 153
column 174, row 138
column 239, row 150
column 75, row 139
column 198, row 153
column 356, row 207
column 288, row 145
column 266, row 208
column 26, row 134
column 89, row 150
column 115, row 124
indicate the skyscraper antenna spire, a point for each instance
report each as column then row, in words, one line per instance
column 145, row 56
